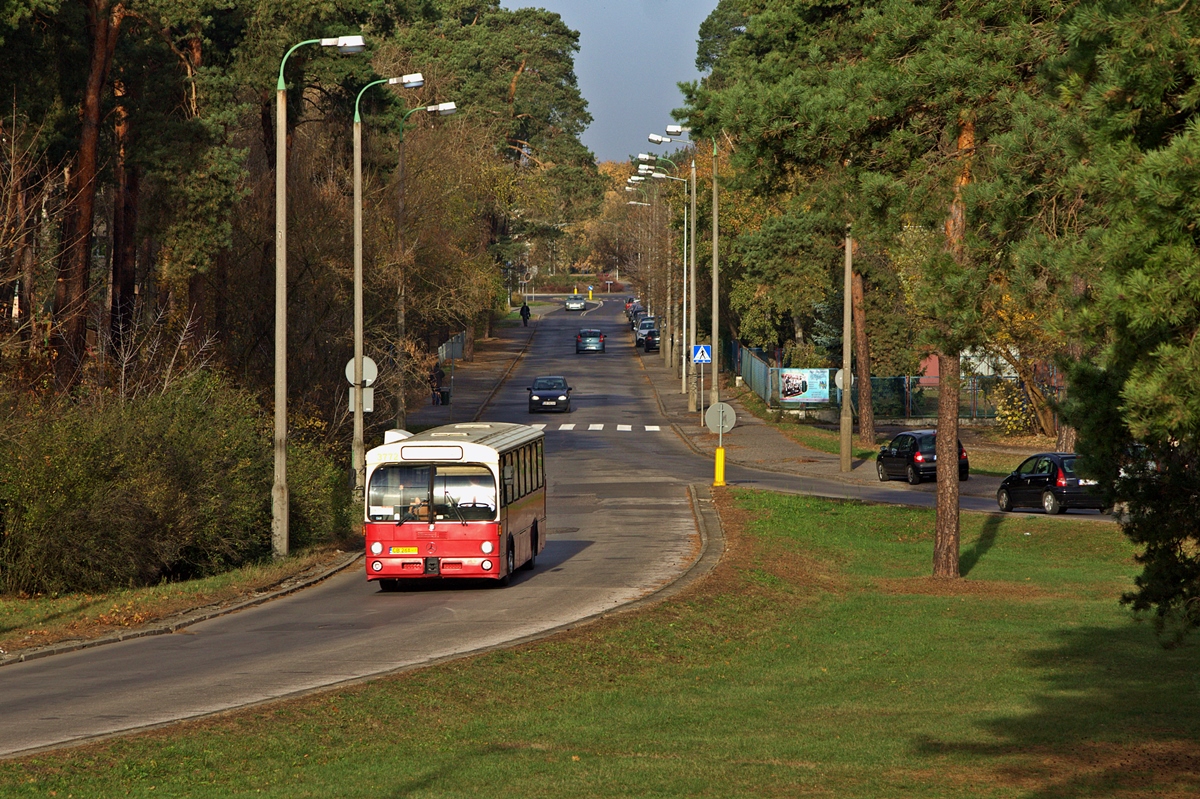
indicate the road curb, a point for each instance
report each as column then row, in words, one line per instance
column 187, row 620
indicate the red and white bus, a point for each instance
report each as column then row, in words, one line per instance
column 463, row 500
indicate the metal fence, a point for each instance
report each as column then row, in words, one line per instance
column 902, row 398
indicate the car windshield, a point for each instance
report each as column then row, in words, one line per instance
column 549, row 384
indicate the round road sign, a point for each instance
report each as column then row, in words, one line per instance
column 720, row 418
column 370, row 371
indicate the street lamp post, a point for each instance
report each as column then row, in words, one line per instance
column 441, row 109
column 663, row 176
column 358, row 448
column 693, row 390
column 279, row 488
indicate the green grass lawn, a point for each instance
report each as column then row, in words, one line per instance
column 817, row 660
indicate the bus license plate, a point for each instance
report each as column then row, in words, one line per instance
column 402, row 551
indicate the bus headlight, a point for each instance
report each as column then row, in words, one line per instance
column 376, row 566
column 487, row 565
column 376, row 548
column 487, row 547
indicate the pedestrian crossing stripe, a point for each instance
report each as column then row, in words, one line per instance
column 621, row 428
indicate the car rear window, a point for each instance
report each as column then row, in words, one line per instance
column 928, row 443
column 1068, row 466
column 590, row 333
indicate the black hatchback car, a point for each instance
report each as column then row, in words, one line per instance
column 912, row 456
column 1047, row 481
column 550, row 393
column 650, row 340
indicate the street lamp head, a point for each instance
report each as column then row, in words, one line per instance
column 647, row 157
column 645, row 169
column 630, row 188
column 636, row 178
column 656, row 139
column 414, row 80
column 659, row 175
column 677, row 130
column 346, row 45
column 442, row 109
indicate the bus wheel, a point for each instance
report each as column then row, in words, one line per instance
column 533, row 541
column 510, row 562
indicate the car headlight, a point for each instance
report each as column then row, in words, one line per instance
column 534, row 397
column 376, row 548
column 562, row 396
column 487, row 547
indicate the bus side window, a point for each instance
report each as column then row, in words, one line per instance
column 524, row 470
column 541, row 476
column 508, row 477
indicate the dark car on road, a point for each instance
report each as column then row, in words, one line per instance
column 912, row 455
column 550, row 393
column 589, row 341
column 650, row 340
column 1047, row 481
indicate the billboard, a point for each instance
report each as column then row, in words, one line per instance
column 804, row 385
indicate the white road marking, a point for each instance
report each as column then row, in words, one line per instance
column 652, row 428
column 595, row 427
column 624, row 428
column 538, row 426
column 566, row 427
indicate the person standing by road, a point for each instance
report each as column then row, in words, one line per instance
column 525, row 314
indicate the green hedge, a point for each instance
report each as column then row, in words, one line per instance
column 166, row 487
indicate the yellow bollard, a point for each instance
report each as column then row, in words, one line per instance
column 589, row 292
column 719, row 478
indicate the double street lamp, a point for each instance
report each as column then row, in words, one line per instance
column 693, row 390
column 358, row 449
column 658, row 175
column 279, row 489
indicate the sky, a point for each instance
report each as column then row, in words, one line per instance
column 632, row 53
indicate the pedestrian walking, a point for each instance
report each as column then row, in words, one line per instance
column 525, row 314
column 435, row 383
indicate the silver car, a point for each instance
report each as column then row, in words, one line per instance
column 575, row 303
column 644, row 324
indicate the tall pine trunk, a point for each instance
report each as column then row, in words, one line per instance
column 945, row 547
column 946, row 527
column 104, row 19
column 125, row 220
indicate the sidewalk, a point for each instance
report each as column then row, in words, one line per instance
column 473, row 383
column 759, row 445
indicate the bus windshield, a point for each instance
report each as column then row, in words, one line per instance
column 408, row 492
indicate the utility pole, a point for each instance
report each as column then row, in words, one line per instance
column 846, row 427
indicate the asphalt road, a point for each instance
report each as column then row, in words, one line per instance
column 620, row 527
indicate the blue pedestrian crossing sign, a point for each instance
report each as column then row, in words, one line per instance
column 702, row 353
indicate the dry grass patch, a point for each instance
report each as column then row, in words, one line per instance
column 30, row 622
